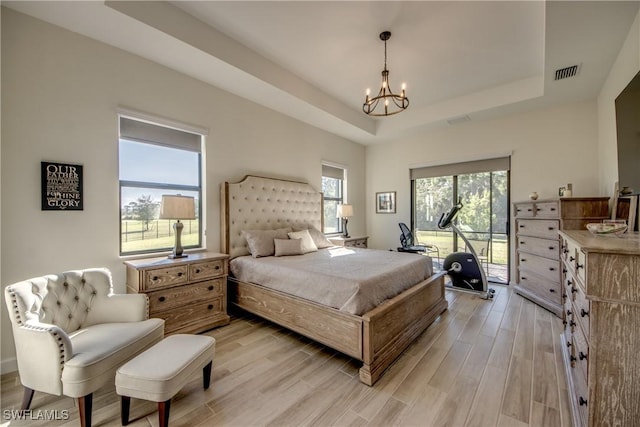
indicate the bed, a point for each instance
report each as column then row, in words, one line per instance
column 376, row 336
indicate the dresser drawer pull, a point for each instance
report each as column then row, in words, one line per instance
column 569, row 281
column 571, row 259
column 564, row 270
column 572, row 358
column 552, row 269
column 210, row 307
column 518, row 210
column 180, row 274
column 529, row 210
column 210, row 287
column 583, row 312
column 154, row 278
column 197, row 270
column 217, row 267
column 551, row 248
column 582, row 356
column 551, row 228
column 579, row 266
column 582, row 401
column 565, row 250
column 523, row 260
column 522, row 243
column 521, row 226
column 568, row 344
column 574, row 289
column 569, row 313
column 572, row 323
column 552, row 290
column 162, row 299
column 564, row 295
column 553, row 209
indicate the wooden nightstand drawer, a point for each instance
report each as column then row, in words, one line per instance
column 192, row 317
column 165, row 277
column 205, row 270
column 358, row 243
column 179, row 296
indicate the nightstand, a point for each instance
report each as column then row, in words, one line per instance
column 190, row 293
column 357, row 242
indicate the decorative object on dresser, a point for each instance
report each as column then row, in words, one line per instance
column 601, row 339
column 177, row 207
column 344, row 212
column 355, row 241
column 538, row 273
column 189, row 293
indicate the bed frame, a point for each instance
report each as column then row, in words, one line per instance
column 377, row 337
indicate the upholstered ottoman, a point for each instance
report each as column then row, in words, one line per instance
column 161, row 371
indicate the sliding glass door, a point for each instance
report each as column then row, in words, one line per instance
column 483, row 219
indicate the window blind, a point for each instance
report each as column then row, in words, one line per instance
column 475, row 166
column 135, row 130
column 332, row 172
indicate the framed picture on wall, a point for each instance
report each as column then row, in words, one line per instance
column 386, row 202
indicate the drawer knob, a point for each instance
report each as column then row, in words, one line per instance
column 572, row 358
column 569, row 282
column 521, row 225
column 564, row 295
column 551, row 248
column 210, row 306
column 582, row 401
column 522, row 243
column 529, row 210
column 519, row 210
column 210, row 288
column 569, row 313
column 572, row 323
column 579, row 266
column 197, row 270
column 564, row 270
column 551, row 228
column 583, row 313
column 565, row 250
column 523, row 260
column 582, row 356
column 552, row 269
column 568, row 343
column 217, row 267
column 564, row 322
column 574, row 289
column 571, row 259
column 553, row 209
column 552, row 290
column 523, row 278
column 180, row 274
column 162, row 299
column 154, row 278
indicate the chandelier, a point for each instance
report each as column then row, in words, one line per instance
column 392, row 103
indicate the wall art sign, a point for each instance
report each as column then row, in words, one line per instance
column 386, row 202
column 61, row 186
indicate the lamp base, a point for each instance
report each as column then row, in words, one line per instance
column 174, row 256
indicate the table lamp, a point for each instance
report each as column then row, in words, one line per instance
column 177, row 207
column 345, row 212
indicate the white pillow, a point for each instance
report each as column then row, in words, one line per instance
column 285, row 247
column 307, row 241
column 319, row 238
column 260, row 242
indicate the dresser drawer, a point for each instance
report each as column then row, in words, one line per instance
column 206, row 269
column 581, row 395
column 168, row 299
column 544, row 267
column 358, row 243
column 545, row 228
column 544, row 247
column 193, row 316
column 547, row 209
column 582, row 308
column 581, row 349
column 524, row 210
column 165, row 277
column 549, row 290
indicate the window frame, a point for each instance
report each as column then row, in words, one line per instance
column 342, row 189
column 169, row 187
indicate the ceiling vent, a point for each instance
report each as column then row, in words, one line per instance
column 565, row 73
column 457, row 120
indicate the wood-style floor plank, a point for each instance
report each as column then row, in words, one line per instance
column 482, row 363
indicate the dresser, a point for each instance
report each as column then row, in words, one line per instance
column 190, row 293
column 538, row 273
column 355, row 242
column 601, row 339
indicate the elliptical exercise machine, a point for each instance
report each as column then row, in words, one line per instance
column 464, row 268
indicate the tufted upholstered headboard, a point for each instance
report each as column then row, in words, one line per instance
column 258, row 203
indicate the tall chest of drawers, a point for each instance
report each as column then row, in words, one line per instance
column 601, row 339
column 190, row 293
column 538, row 269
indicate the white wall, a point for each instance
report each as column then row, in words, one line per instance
column 59, row 100
column 549, row 148
column 626, row 66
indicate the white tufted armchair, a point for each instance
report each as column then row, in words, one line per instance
column 72, row 333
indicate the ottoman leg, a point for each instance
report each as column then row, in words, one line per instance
column 206, row 375
column 163, row 412
column 125, row 404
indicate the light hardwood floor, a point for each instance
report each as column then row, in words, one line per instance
column 482, row 363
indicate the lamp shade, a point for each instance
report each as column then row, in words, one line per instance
column 177, row 207
column 344, row 211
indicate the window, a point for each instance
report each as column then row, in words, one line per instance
column 333, row 189
column 156, row 160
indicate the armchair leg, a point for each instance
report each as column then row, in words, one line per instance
column 27, row 398
column 84, row 407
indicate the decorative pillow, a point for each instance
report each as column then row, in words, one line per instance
column 307, row 241
column 260, row 242
column 319, row 238
column 285, row 247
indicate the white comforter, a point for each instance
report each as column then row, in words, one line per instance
column 349, row 279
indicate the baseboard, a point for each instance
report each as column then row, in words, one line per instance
column 8, row 365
